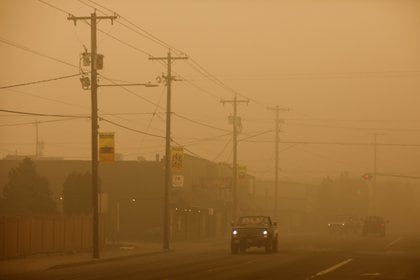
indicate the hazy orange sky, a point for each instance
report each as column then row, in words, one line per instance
column 346, row 69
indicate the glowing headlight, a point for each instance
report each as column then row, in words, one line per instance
column 265, row 232
column 235, row 232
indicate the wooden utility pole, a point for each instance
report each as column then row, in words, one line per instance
column 94, row 101
column 168, row 80
column 235, row 124
column 375, row 173
column 277, row 121
column 37, row 148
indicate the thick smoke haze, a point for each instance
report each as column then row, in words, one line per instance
column 345, row 69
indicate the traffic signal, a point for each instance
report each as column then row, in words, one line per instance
column 367, row 176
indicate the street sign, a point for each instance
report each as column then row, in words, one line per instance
column 241, row 171
column 177, row 181
column 106, row 147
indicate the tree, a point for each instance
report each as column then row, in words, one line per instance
column 77, row 193
column 27, row 192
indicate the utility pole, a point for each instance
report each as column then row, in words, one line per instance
column 94, row 101
column 235, row 124
column 37, row 153
column 374, row 158
column 277, row 110
column 375, row 171
column 168, row 80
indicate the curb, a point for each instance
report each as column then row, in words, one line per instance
column 95, row 261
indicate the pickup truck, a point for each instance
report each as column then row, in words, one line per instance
column 254, row 231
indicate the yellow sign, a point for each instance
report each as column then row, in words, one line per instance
column 177, row 158
column 106, row 147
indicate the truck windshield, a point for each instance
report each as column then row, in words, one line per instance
column 254, row 221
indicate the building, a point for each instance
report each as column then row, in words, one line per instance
column 131, row 201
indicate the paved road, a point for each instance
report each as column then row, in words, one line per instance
column 300, row 257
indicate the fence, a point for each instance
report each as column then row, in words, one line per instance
column 21, row 236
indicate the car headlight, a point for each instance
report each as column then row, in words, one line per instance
column 265, row 232
column 235, row 232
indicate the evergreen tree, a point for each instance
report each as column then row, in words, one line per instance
column 27, row 192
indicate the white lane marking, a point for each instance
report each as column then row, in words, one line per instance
column 393, row 242
column 334, row 267
column 371, row 274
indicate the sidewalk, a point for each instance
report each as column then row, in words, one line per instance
column 46, row 261
column 122, row 250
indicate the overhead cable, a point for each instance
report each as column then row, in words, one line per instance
column 19, row 46
column 40, row 81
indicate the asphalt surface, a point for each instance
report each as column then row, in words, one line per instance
column 300, row 257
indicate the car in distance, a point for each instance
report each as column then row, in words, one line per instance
column 374, row 225
column 336, row 227
column 346, row 225
column 254, row 231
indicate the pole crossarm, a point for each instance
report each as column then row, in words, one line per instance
column 277, row 108
column 75, row 19
column 234, row 101
column 166, row 58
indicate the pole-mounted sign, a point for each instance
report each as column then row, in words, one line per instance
column 106, row 147
column 177, row 158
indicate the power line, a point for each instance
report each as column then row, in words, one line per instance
column 223, row 149
column 131, row 92
column 350, row 120
column 103, row 113
column 100, row 30
column 256, row 135
column 22, row 47
column 332, row 75
column 130, row 114
column 188, row 150
column 54, row 7
column 40, row 81
column 337, row 143
column 123, row 42
column 220, row 83
column 48, row 99
column 198, row 141
column 43, row 114
column 200, row 123
column 146, row 34
column 155, row 39
column 198, row 87
column 318, row 155
column 359, row 128
column 38, row 122
column 131, row 129
column 162, row 43
column 154, row 114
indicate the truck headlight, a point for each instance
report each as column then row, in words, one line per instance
column 265, row 232
column 235, row 232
